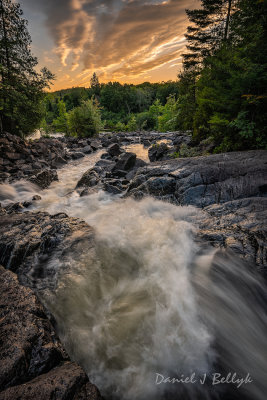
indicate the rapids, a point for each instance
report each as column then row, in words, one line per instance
column 156, row 301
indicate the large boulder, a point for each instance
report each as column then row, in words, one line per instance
column 202, row 181
column 44, row 178
column 33, row 363
column 90, row 178
column 28, row 240
column 114, row 150
column 126, row 161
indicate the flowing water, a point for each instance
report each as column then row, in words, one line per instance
column 153, row 301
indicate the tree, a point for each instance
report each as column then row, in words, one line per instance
column 231, row 89
column 21, row 86
column 85, row 120
column 95, row 85
column 210, row 27
column 60, row 123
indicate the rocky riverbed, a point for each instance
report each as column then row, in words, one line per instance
column 224, row 198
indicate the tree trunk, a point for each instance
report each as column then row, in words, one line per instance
column 227, row 19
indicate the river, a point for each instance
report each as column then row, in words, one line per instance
column 156, row 303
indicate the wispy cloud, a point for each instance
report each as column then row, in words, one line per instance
column 116, row 37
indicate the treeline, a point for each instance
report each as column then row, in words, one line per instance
column 220, row 95
column 122, row 107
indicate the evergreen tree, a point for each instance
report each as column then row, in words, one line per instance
column 95, row 85
column 21, row 86
column 210, row 28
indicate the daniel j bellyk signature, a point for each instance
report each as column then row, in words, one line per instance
column 215, row 379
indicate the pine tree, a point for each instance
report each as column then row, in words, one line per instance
column 95, row 85
column 21, row 86
column 209, row 30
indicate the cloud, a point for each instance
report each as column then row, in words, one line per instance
column 116, row 37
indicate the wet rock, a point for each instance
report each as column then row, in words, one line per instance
column 112, row 188
column 180, row 139
column 28, row 239
column 219, row 178
column 28, row 345
column 146, row 142
column 44, row 178
column 89, row 178
column 95, row 144
column 23, row 159
column 33, row 363
column 105, row 164
column 76, row 155
column 126, row 161
column 120, row 173
column 106, row 156
column 14, row 207
column 87, row 149
column 36, row 197
column 239, row 225
column 114, row 150
column 158, row 152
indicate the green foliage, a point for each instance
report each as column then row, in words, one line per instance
column 85, row 120
column 60, row 124
column 132, row 124
column 21, row 90
column 120, row 127
column 224, row 94
column 167, row 120
column 119, row 103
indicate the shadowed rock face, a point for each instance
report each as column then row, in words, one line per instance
column 202, row 181
column 29, row 240
column 33, row 363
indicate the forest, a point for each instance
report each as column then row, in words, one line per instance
column 219, row 95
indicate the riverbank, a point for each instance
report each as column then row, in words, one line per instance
column 148, row 227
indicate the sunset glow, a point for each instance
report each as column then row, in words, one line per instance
column 124, row 40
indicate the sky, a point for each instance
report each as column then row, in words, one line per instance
column 130, row 41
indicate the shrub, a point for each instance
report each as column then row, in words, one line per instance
column 85, row 120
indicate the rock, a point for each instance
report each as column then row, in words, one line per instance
column 125, row 162
column 106, row 156
column 105, row 164
column 27, row 204
column 89, row 178
column 28, row 345
column 178, row 140
column 36, row 197
column 28, row 239
column 87, row 149
column 14, row 207
column 76, row 155
column 231, row 188
column 33, row 363
column 146, row 142
column 218, row 178
column 95, row 144
column 120, row 173
column 61, row 160
column 112, row 188
column 44, row 178
column 158, row 152
column 114, row 150
column 239, row 225
column 20, row 158
column 13, row 156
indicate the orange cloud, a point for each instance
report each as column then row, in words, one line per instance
column 117, row 38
